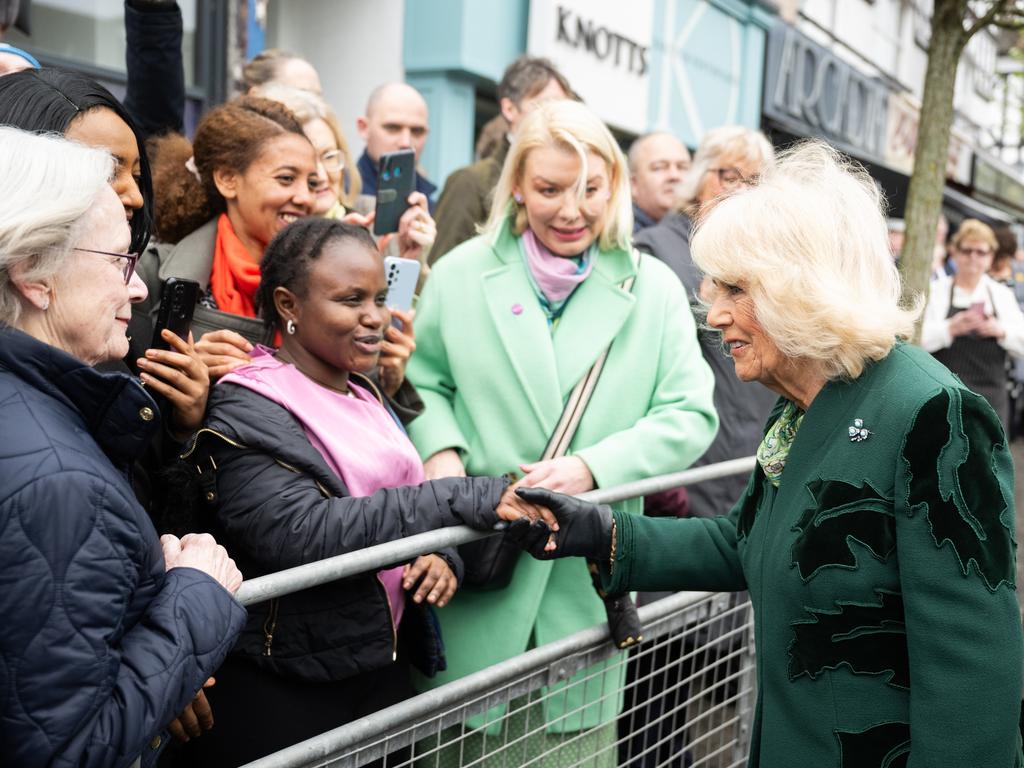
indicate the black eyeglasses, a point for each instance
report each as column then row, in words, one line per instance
column 731, row 177
column 131, row 259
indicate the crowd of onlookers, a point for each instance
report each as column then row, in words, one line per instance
column 144, row 474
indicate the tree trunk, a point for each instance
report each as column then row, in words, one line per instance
column 924, row 198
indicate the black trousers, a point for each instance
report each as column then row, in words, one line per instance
column 257, row 712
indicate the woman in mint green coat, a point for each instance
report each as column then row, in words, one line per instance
column 876, row 535
column 507, row 324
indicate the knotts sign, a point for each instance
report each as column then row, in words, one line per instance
column 604, row 48
column 604, row 44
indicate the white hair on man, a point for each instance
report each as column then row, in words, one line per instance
column 809, row 245
column 48, row 184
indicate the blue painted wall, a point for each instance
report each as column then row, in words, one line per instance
column 707, row 63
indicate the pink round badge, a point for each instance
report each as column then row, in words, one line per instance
column 517, row 309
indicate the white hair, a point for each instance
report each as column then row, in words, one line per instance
column 809, row 246
column 48, row 185
column 729, row 144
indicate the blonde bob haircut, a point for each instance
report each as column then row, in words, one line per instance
column 49, row 186
column 808, row 244
column 972, row 229
column 570, row 126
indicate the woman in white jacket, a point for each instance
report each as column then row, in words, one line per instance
column 973, row 323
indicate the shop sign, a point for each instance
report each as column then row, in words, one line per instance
column 960, row 157
column 901, row 141
column 809, row 86
column 603, row 47
column 901, row 137
column 994, row 181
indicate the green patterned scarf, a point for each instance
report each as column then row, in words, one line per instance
column 774, row 449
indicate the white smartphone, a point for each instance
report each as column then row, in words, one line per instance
column 402, row 275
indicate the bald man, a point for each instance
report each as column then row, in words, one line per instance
column 396, row 118
column 658, row 163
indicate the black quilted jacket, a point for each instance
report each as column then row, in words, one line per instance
column 275, row 504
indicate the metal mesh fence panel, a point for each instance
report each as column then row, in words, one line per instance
column 682, row 697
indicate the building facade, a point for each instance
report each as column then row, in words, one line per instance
column 882, row 47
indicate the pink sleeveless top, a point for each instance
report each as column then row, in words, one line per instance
column 356, row 436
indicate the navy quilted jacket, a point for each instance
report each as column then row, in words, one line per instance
column 100, row 647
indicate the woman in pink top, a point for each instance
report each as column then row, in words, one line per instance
column 299, row 460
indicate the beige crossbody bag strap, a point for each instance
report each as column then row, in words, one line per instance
column 562, row 437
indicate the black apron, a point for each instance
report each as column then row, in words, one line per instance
column 980, row 363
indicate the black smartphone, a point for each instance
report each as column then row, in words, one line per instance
column 396, row 180
column 178, row 299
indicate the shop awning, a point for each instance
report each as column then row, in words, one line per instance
column 970, row 208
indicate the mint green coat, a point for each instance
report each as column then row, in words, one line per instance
column 494, row 378
column 881, row 573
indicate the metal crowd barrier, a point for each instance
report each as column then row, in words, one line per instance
column 687, row 701
column 374, row 558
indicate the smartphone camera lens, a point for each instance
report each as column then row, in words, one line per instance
column 398, row 172
column 387, row 175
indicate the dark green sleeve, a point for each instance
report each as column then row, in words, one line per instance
column 657, row 553
column 955, row 545
column 459, row 209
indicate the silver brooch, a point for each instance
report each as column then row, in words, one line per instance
column 858, row 434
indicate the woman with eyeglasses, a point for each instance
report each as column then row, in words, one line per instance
column 972, row 322
column 339, row 181
column 109, row 632
column 69, row 103
column 728, row 161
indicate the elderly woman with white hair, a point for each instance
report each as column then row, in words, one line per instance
column 876, row 535
column 728, row 160
column 109, row 631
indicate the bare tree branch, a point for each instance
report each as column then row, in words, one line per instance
column 1016, row 24
column 1000, row 8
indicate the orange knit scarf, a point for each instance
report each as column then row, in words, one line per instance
column 235, row 276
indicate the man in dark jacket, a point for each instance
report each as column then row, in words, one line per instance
column 102, row 647
column 658, row 163
column 395, row 119
column 465, row 200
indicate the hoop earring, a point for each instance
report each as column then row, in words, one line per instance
column 46, row 303
column 290, row 328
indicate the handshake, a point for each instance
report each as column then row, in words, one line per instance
column 549, row 525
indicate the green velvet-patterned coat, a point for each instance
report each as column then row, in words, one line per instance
column 881, row 573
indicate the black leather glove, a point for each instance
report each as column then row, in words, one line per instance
column 584, row 529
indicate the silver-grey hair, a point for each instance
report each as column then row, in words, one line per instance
column 732, row 142
column 48, row 185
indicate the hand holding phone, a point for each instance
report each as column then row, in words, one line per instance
column 977, row 308
column 396, row 180
column 172, row 371
column 402, row 275
column 178, row 299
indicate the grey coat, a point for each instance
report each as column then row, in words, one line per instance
column 742, row 407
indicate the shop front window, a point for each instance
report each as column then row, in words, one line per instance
column 91, row 33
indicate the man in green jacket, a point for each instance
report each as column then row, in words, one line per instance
column 465, row 200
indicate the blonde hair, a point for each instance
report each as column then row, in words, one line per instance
column 729, row 142
column 307, row 107
column 972, row 229
column 49, row 186
column 809, row 245
column 571, row 126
